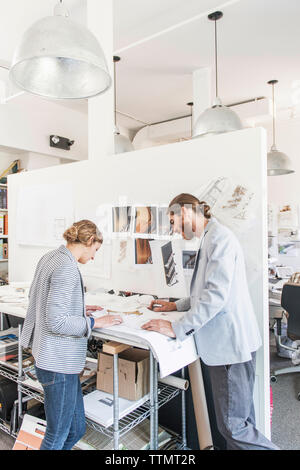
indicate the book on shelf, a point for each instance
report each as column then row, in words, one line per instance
column 3, row 198
column 1, row 224
column 5, row 224
column 1, row 249
column 5, row 250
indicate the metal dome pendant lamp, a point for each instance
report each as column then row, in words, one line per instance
column 122, row 143
column 219, row 118
column 60, row 59
column 278, row 162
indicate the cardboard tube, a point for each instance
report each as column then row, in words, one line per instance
column 200, row 406
column 176, row 382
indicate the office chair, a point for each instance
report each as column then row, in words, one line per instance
column 290, row 302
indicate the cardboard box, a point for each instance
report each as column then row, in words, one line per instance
column 134, row 366
column 31, row 434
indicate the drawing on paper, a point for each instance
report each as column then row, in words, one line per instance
column 169, row 264
column 123, row 251
column 238, row 203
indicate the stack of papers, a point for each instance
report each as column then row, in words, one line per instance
column 98, row 407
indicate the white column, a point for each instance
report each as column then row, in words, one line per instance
column 202, row 94
column 101, row 108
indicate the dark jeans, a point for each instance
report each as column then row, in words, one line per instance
column 232, row 388
column 63, row 408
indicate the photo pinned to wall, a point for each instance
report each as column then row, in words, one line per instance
column 164, row 227
column 145, row 222
column 189, row 259
column 169, row 264
column 121, row 219
column 142, row 252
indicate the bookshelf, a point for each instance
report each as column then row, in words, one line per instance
column 3, row 223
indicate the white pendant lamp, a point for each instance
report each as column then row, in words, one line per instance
column 60, row 59
column 218, row 118
column 278, row 162
column 122, row 143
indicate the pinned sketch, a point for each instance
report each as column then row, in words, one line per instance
column 212, row 192
column 123, row 251
column 145, row 221
column 60, row 226
column 288, row 217
column 44, row 212
column 231, row 202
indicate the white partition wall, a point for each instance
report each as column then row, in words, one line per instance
column 155, row 176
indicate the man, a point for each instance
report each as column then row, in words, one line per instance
column 220, row 315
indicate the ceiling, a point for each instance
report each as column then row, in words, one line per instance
column 161, row 44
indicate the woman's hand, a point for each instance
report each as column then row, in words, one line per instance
column 91, row 308
column 107, row 321
column 162, row 306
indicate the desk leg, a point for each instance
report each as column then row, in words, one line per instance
column 20, row 367
column 155, row 378
column 153, row 404
column 116, row 402
column 183, row 414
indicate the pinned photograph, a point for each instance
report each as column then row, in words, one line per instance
column 143, row 253
column 121, row 219
column 189, row 259
column 145, row 221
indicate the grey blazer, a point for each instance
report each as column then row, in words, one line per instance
column 56, row 326
column 219, row 313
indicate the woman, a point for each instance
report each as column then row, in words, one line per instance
column 57, row 328
column 220, row 315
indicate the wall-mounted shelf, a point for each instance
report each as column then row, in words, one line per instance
column 3, row 210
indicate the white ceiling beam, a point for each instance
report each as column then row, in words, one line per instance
column 101, row 108
column 176, row 26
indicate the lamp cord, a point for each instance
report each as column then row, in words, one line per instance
column 115, row 93
column 216, row 58
column 273, row 98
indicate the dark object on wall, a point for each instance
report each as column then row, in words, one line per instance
column 61, row 142
column 170, row 414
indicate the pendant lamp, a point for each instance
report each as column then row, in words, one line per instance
column 278, row 162
column 122, row 143
column 218, row 118
column 60, row 59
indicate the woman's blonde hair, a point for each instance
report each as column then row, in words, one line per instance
column 83, row 232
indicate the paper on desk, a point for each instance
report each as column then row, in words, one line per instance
column 171, row 354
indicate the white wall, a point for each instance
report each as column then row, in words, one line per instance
column 26, row 123
column 156, row 175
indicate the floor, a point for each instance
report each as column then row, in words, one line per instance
column 286, row 407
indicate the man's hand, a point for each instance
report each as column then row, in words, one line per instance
column 162, row 306
column 107, row 321
column 160, row 326
column 91, row 308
